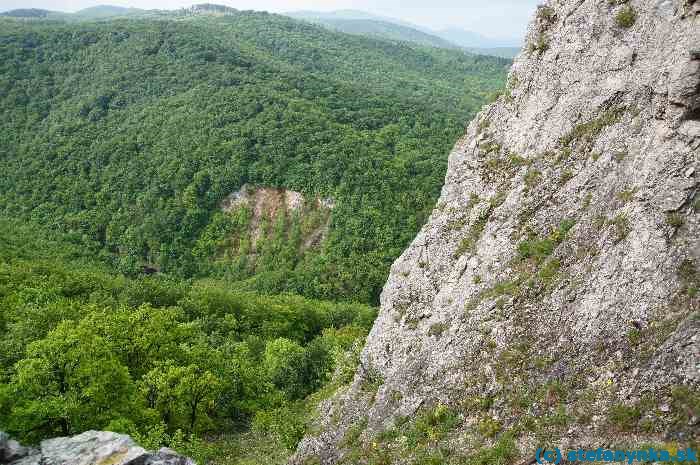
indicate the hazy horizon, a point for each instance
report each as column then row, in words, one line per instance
column 495, row 18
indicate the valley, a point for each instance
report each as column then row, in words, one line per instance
column 203, row 206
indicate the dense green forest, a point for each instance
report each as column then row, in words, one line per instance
column 130, row 300
column 127, row 135
column 167, row 361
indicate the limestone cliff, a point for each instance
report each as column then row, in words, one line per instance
column 552, row 297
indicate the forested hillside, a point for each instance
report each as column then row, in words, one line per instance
column 128, row 134
column 167, row 361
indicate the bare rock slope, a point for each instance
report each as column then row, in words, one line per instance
column 552, row 297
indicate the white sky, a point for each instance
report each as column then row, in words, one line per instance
column 494, row 18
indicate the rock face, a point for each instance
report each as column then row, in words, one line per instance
column 89, row 448
column 265, row 205
column 558, row 275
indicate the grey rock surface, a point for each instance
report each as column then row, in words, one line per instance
column 88, row 448
column 592, row 154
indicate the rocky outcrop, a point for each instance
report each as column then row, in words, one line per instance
column 263, row 206
column 552, row 297
column 89, row 448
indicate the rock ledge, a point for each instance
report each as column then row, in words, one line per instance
column 88, row 448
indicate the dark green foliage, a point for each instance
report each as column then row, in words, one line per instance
column 129, row 133
column 685, row 404
column 626, row 17
column 623, row 417
column 690, row 278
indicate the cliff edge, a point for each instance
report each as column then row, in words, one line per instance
column 552, row 297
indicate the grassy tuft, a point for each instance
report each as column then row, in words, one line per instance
column 675, row 220
column 626, row 17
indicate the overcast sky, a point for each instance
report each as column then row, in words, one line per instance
column 495, row 18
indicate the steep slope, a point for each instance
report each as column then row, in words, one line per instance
column 130, row 133
column 552, row 298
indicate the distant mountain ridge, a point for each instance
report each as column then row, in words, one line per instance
column 382, row 29
column 466, row 38
column 453, row 37
column 108, row 11
column 348, row 21
column 113, row 11
column 94, row 12
column 32, row 13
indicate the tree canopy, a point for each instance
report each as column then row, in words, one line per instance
column 129, row 134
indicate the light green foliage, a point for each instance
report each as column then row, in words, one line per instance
column 549, row 270
column 488, row 427
column 285, row 422
column 68, row 382
column 587, row 201
column 180, row 394
column 433, row 424
column 478, row 404
column 285, row 362
column 164, row 360
column 566, row 176
column 502, row 453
